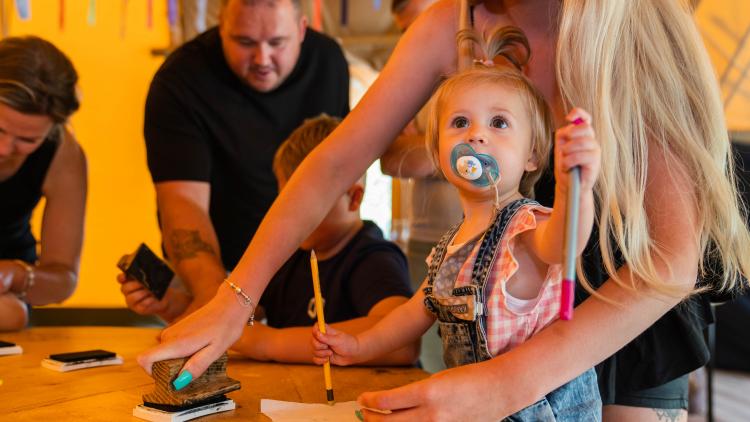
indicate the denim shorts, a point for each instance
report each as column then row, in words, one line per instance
column 578, row 400
column 671, row 395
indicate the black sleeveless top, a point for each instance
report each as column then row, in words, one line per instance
column 672, row 346
column 19, row 195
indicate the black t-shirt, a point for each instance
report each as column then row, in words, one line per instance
column 202, row 123
column 367, row 270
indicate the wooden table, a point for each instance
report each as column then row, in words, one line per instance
column 32, row 393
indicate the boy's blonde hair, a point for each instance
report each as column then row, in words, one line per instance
column 301, row 142
column 509, row 44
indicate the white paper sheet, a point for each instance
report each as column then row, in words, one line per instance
column 287, row 411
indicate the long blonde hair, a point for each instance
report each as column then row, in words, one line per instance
column 641, row 69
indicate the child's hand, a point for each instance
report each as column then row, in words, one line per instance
column 338, row 346
column 576, row 145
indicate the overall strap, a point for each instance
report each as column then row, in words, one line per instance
column 491, row 241
column 439, row 253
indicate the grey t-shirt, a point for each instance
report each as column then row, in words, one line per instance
column 434, row 206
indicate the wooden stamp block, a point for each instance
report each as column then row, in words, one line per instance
column 214, row 382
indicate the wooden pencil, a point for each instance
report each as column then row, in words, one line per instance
column 321, row 322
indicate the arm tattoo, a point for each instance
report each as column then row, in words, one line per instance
column 669, row 415
column 187, row 244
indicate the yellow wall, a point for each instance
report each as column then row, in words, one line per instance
column 115, row 71
column 724, row 24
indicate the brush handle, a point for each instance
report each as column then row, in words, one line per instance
column 570, row 240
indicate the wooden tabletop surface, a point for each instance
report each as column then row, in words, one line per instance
column 32, row 393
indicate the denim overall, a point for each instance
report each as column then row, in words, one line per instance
column 462, row 323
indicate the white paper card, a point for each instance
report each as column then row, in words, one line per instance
column 11, row 350
column 72, row 366
column 287, row 411
column 156, row 415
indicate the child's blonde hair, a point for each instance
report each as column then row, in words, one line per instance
column 510, row 44
column 301, row 142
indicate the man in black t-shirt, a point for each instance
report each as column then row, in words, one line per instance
column 362, row 276
column 216, row 112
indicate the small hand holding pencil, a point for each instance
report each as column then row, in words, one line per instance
column 321, row 323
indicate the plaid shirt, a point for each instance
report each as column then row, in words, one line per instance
column 505, row 328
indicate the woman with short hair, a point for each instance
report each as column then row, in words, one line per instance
column 39, row 158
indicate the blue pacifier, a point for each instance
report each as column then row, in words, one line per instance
column 480, row 169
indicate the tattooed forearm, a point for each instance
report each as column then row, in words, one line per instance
column 186, row 244
column 669, row 415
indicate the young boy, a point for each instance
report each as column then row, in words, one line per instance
column 362, row 276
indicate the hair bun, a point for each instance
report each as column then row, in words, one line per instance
column 508, row 43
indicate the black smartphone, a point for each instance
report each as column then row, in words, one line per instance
column 143, row 265
column 84, row 356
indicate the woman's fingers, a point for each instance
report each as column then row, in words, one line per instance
column 199, row 362
column 168, row 350
column 401, row 398
column 407, row 415
column 432, row 399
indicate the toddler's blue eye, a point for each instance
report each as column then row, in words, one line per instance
column 499, row 123
column 460, row 122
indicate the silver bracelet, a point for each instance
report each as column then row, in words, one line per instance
column 244, row 300
column 28, row 281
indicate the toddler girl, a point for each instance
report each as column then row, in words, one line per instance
column 494, row 280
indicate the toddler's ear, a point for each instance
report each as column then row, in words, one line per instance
column 532, row 164
column 355, row 193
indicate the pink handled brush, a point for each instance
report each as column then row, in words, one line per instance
column 570, row 240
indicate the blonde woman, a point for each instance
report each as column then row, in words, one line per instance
column 664, row 199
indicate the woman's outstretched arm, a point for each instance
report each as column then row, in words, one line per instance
column 64, row 189
column 503, row 385
column 424, row 54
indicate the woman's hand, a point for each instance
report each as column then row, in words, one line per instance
column 338, row 346
column 203, row 335
column 462, row 393
column 576, row 145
